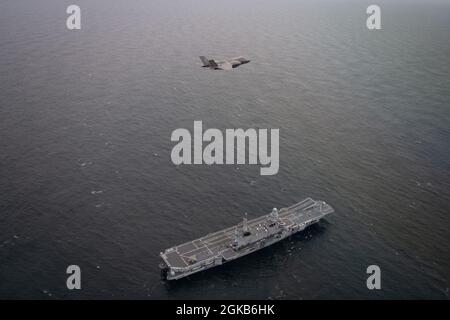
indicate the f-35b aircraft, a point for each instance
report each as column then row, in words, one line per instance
column 224, row 65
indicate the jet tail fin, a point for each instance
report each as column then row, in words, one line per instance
column 213, row 64
column 205, row 61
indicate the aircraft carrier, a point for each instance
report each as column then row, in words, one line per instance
column 249, row 236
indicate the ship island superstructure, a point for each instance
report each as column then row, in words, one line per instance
column 249, row 236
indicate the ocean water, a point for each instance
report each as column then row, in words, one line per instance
column 86, row 117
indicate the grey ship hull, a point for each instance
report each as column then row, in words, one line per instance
column 229, row 244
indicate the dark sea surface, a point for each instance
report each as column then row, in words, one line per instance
column 86, row 116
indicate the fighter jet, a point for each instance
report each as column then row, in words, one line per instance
column 224, row 65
